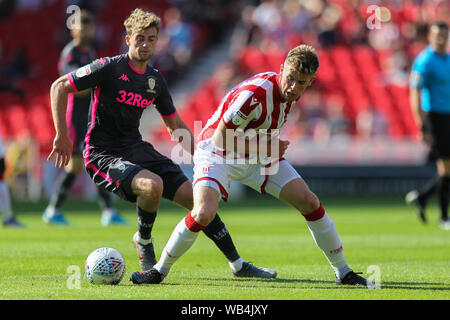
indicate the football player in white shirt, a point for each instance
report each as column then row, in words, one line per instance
column 234, row 146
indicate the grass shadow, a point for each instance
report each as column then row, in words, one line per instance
column 384, row 285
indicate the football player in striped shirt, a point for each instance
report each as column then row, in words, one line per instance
column 240, row 143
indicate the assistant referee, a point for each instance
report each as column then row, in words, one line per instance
column 430, row 103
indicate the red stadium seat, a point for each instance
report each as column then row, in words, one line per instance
column 275, row 58
column 253, row 61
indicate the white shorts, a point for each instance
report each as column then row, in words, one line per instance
column 212, row 171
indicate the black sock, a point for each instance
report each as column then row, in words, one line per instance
column 444, row 188
column 428, row 189
column 64, row 185
column 145, row 223
column 218, row 233
column 104, row 198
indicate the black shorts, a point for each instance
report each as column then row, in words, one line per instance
column 114, row 169
column 77, row 135
column 439, row 127
column 77, row 121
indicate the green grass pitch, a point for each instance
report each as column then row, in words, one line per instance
column 41, row 261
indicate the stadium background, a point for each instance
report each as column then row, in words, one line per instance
column 352, row 131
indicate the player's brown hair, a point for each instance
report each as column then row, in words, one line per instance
column 304, row 59
column 140, row 20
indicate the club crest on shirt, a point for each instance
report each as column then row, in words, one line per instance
column 151, row 85
column 238, row 118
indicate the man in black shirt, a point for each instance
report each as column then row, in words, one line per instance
column 116, row 157
column 76, row 54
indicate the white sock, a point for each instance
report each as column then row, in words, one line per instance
column 5, row 201
column 326, row 237
column 236, row 265
column 142, row 241
column 107, row 212
column 51, row 210
column 179, row 242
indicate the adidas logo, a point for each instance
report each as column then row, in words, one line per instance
column 124, row 77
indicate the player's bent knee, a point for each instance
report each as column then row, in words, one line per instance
column 148, row 185
column 75, row 165
column 307, row 203
column 311, row 202
column 152, row 188
column 203, row 215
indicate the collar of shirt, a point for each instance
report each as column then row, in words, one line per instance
column 276, row 89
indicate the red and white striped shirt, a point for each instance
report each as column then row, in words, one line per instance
column 255, row 104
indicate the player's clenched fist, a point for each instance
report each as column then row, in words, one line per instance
column 62, row 147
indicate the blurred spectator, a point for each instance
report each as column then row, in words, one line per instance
column 396, row 36
column 4, row 86
column 338, row 122
column 6, row 8
column 212, row 18
column 264, row 30
column 225, row 77
column 313, row 115
column 246, row 33
column 5, row 81
column 180, row 37
column 93, row 6
column 29, row 5
column 327, row 26
column 370, row 123
column 162, row 59
column 267, row 16
column 17, row 68
column 384, row 38
column 395, row 69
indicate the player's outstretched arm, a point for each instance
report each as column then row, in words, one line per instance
column 62, row 145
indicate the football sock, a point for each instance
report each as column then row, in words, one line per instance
column 218, row 232
column 104, row 198
column 428, row 189
column 182, row 238
column 145, row 225
column 5, row 200
column 325, row 235
column 65, row 183
column 236, row 265
column 444, row 188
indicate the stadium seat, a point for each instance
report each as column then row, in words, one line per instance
column 252, row 61
column 275, row 58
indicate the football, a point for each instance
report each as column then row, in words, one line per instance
column 105, row 266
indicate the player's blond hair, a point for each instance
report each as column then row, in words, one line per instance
column 303, row 59
column 140, row 20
